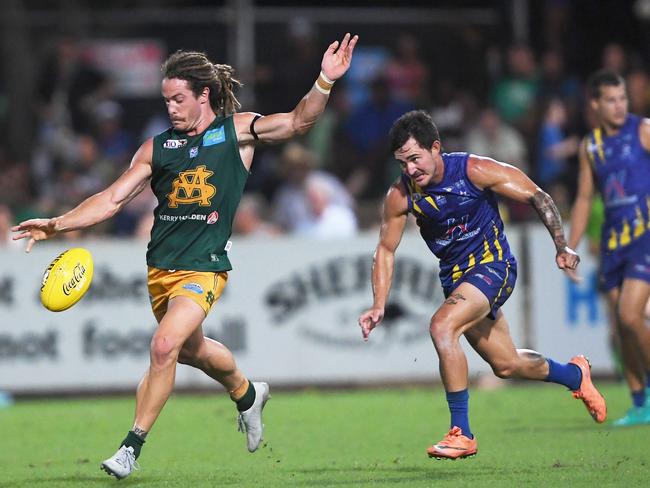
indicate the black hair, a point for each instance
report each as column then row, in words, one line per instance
column 603, row 77
column 416, row 124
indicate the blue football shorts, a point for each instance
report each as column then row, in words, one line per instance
column 496, row 280
column 631, row 261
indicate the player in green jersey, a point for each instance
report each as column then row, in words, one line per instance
column 197, row 170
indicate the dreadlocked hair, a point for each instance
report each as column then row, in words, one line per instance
column 199, row 72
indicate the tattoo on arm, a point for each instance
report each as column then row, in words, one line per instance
column 454, row 298
column 550, row 216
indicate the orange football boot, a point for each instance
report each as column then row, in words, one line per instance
column 454, row 446
column 587, row 392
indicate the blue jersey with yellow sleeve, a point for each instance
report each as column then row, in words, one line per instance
column 622, row 169
column 459, row 222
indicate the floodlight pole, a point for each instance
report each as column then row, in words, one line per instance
column 241, row 52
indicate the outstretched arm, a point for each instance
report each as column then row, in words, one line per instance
column 512, row 183
column 282, row 126
column 392, row 227
column 96, row 208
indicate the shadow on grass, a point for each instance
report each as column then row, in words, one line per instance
column 555, row 428
column 473, row 471
column 438, row 471
column 83, row 481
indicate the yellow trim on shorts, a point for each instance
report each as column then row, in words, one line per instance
column 505, row 282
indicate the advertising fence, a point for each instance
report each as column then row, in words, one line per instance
column 289, row 314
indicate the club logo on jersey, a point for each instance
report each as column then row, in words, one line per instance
column 192, row 187
column 213, row 217
column 457, row 230
column 614, row 192
column 194, row 151
column 456, row 227
column 174, row 143
column 214, row 136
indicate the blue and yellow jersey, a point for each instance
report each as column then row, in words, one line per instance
column 459, row 222
column 622, row 169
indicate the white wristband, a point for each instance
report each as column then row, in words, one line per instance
column 323, row 84
column 331, row 82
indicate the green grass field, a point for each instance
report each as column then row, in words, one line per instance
column 528, row 436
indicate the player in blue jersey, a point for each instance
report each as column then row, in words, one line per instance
column 453, row 198
column 617, row 156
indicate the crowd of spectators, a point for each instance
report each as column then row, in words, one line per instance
column 516, row 104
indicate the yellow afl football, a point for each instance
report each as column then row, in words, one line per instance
column 67, row 279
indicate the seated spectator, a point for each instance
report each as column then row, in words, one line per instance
column 494, row 138
column 514, row 96
column 249, row 219
column 291, row 204
column 6, row 222
column 554, row 149
column 115, row 143
column 638, row 89
column 450, row 110
column 406, row 73
column 366, row 130
column 328, row 219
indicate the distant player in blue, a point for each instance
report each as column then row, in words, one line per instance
column 617, row 156
column 454, row 200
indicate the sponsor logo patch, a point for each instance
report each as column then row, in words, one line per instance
column 195, row 287
column 495, row 273
column 484, row 278
column 181, row 218
column 194, row 151
column 642, row 268
column 174, row 143
column 214, row 136
column 213, row 217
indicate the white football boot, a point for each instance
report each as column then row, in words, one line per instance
column 250, row 421
column 121, row 463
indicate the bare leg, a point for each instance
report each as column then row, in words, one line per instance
column 491, row 340
column 631, row 313
column 213, row 358
column 182, row 318
column 464, row 308
column 633, row 369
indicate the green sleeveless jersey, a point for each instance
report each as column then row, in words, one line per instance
column 198, row 181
